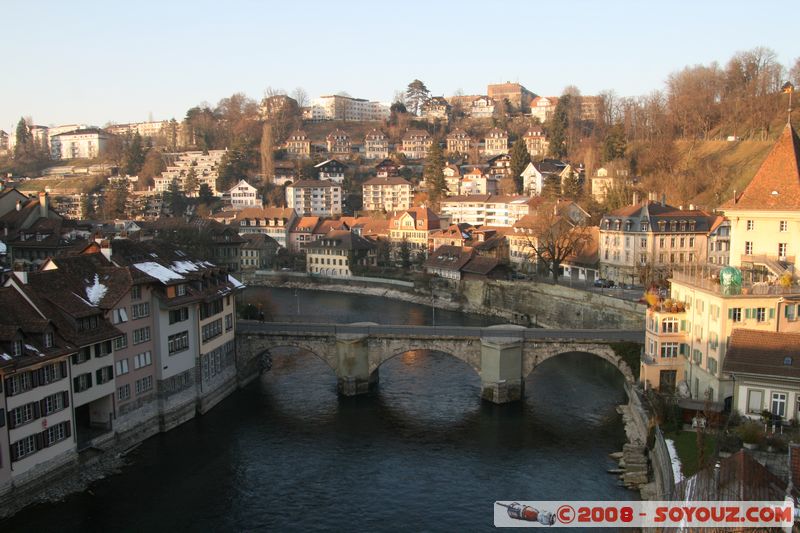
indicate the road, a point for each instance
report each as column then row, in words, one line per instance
column 510, row 331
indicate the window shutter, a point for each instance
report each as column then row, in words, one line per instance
column 63, row 367
column 75, row 384
column 786, row 311
column 36, row 411
column 2, row 417
column 771, row 313
column 730, row 313
column 45, row 440
column 39, row 441
column 11, row 424
column 14, row 455
column 99, row 374
column 43, row 407
column 66, row 398
column 35, row 378
column 683, row 325
column 68, row 428
column 747, row 313
column 682, row 349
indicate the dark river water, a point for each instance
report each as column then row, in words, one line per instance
column 423, row 453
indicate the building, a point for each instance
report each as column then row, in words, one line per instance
column 536, row 142
column 414, row 227
column 689, row 333
column 500, row 165
column 416, row 144
column 338, row 107
column 518, row 96
column 765, row 217
column 259, row 252
column 242, row 195
column 486, row 209
column 387, row 169
column 376, row 145
column 719, row 242
column 454, row 235
column 338, row 253
column 278, row 105
column 203, row 167
column 386, row 194
column 646, row 241
column 301, row 232
column 448, row 261
column 481, row 107
column 147, row 130
column 476, row 182
column 543, row 107
column 765, row 368
column 436, row 109
column 338, row 143
column 590, row 107
column 79, row 144
column 607, row 179
column 275, row 222
column 495, row 142
column 533, row 181
column 315, row 198
column 459, row 142
column 452, row 176
column 332, row 170
column 298, row 144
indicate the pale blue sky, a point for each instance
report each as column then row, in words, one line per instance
column 94, row 62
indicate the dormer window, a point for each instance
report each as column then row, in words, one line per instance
column 16, row 348
column 180, row 290
column 645, row 226
column 48, row 339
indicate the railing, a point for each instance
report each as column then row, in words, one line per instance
column 513, row 332
column 748, row 288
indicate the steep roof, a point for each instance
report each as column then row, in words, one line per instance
column 392, row 180
column 764, row 353
column 739, row 478
column 342, row 239
column 265, row 212
column 776, row 184
column 448, row 257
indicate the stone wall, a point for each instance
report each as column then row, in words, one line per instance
column 550, row 305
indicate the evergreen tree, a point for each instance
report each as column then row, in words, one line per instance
column 24, row 147
column 519, row 160
column 190, row 184
column 571, row 187
column 134, row 156
column 416, row 95
column 558, row 127
column 205, row 195
column 433, row 172
column 615, row 143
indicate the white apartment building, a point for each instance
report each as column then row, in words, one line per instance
column 337, row 107
column 486, row 209
column 242, row 195
column 315, row 198
column 205, row 166
column 388, row 194
column 79, row 144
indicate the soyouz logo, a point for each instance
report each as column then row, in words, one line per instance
column 659, row 514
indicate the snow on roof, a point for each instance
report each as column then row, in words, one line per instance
column 160, row 272
column 235, row 282
column 183, row 267
column 96, row 291
column 2, row 247
column 32, row 348
column 5, row 357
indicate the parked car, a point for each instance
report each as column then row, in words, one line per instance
column 603, row 283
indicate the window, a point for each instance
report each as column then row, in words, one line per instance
column 83, row 355
column 22, row 415
column 121, row 342
column 23, row 448
column 124, row 392
column 697, row 356
column 735, row 314
column 781, row 249
column 136, row 292
column 229, row 322
column 178, row 342
column 105, row 374
column 790, row 312
column 17, row 348
column 140, row 310
column 179, row 315
column 180, row 289
column 712, row 365
column 82, row 382
column 48, row 340
column 122, row 367
column 669, row 349
column 19, row 383
column 141, row 335
column 784, row 225
column 669, row 325
column 760, row 314
column 779, row 404
column 212, row 329
column 56, row 433
column 144, row 384
column 119, row 315
column 751, row 225
column 755, row 399
column 698, row 332
column 748, row 248
column 142, row 359
column 55, row 402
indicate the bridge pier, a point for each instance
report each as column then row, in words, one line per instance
column 352, row 369
column 501, row 370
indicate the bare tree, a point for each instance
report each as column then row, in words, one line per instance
column 301, row 96
column 266, row 148
column 552, row 237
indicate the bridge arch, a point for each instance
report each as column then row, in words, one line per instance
column 534, row 355
column 382, row 350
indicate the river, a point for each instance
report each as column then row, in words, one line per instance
column 423, row 453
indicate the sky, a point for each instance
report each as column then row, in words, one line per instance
column 81, row 62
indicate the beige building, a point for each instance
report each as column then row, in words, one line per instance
column 386, row 194
column 543, row 107
column 495, row 142
column 536, row 142
column 298, row 144
column 338, row 143
column 204, row 165
column 337, row 253
column 517, row 95
column 459, row 142
column 414, row 226
column 79, row 144
column 416, row 144
column 376, row 145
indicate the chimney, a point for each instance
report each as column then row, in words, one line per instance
column 734, row 196
column 19, row 205
column 635, row 198
column 691, row 207
column 105, row 249
column 44, row 204
column 663, row 199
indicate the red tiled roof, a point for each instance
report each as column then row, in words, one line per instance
column 765, row 353
column 776, row 184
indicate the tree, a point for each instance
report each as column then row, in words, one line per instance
column 134, row 156
column 520, row 158
column 236, row 164
column 416, row 95
column 24, row 147
column 571, row 186
column 153, row 166
column 190, row 184
column 433, row 172
column 266, row 148
column 558, row 127
column 176, row 198
column 552, row 237
column 615, row 143
column 405, row 254
column 205, row 195
column 115, row 197
column 300, row 96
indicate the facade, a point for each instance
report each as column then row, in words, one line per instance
column 242, row 195
column 204, row 167
column 765, row 218
column 298, row 144
column 649, row 240
column 259, row 252
column 416, row 144
column 387, row 169
column 315, row 198
column 79, row 144
column 543, row 107
column 332, row 170
column 337, row 107
column 452, row 176
column 275, row 222
column 486, row 209
column 376, row 145
column 532, row 180
column 517, row 95
column 436, row 109
column 536, row 142
column 338, row 143
column 414, row 227
column 386, row 194
column 476, row 182
column 482, row 107
column 301, row 232
column 459, row 142
column 335, row 254
column 605, row 180
column 719, row 242
column 496, row 142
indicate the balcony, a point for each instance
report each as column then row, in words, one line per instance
column 761, row 288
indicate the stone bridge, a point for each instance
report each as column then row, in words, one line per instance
column 501, row 355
